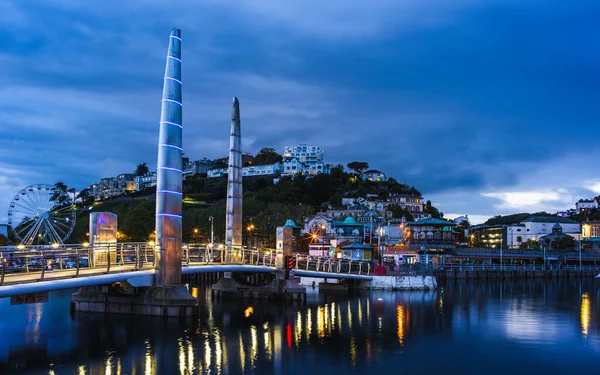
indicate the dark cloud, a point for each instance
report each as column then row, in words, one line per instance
column 459, row 96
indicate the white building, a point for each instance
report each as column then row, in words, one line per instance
column 374, row 176
column 143, row 182
column 303, row 159
column 216, row 172
column 538, row 226
column 412, row 203
column 251, row 170
column 262, row 170
column 197, row 166
column 586, row 204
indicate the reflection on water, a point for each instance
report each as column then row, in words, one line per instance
column 371, row 331
column 585, row 314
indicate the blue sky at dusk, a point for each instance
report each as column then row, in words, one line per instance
column 487, row 107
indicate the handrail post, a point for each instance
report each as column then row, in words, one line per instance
column 26, row 264
column 137, row 257
column 368, row 268
column 360, row 268
column 349, row 265
column 77, row 262
column 297, row 260
column 3, row 265
column 122, row 258
column 108, row 259
column 187, row 257
column 60, row 259
column 43, row 265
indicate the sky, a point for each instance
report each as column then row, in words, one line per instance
column 487, row 107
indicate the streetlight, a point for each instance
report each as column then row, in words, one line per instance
column 323, row 240
column 379, row 244
column 250, row 228
column 212, row 230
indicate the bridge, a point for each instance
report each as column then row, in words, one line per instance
column 45, row 268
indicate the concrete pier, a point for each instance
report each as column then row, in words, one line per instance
column 156, row 301
column 282, row 287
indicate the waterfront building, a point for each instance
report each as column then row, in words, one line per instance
column 538, row 226
column 585, row 205
column 590, row 236
column 303, row 159
column 329, row 233
column 374, row 176
column 552, row 241
column 488, row 236
column 357, row 252
column 433, row 237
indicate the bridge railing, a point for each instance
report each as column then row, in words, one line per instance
column 74, row 261
column 330, row 265
column 516, row 267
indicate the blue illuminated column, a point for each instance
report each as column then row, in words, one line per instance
column 168, row 249
column 233, row 227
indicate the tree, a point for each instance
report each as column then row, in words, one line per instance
column 434, row 212
column 358, row 166
column 141, row 170
column 399, row 212
column 267, row 155
column 60, row 193
column 86, row 196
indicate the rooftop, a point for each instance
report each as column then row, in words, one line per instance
column 372, row 171
column 357, row 246
column 432, row 221
column 549, row 219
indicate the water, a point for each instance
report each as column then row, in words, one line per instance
column 467, row 328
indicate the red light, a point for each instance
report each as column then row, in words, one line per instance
column 289, row 335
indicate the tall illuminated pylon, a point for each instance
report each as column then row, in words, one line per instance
column 169, row 174
column 233, row 228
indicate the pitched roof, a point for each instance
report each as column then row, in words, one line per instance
column 372, row 171
column 549, row 219
column 357, row 246
column 432, row 221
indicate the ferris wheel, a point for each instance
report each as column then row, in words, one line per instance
column 41, row 214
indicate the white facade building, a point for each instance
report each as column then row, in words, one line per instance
column 216, row 172
column 374, row 176
column 303, row 159
column 251, row 170
column 538, row 226
column 585, row 204
column 143, row 182
column 262, row 170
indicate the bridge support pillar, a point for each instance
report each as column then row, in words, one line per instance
column 282, row 286
column 119, row 298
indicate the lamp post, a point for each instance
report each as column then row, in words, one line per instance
column 250, row 229
column 212, row 230
column 323, row 240
column 379, row 244
column 580, row 255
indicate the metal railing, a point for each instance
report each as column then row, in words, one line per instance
column 516, row 267
column 78, row 260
